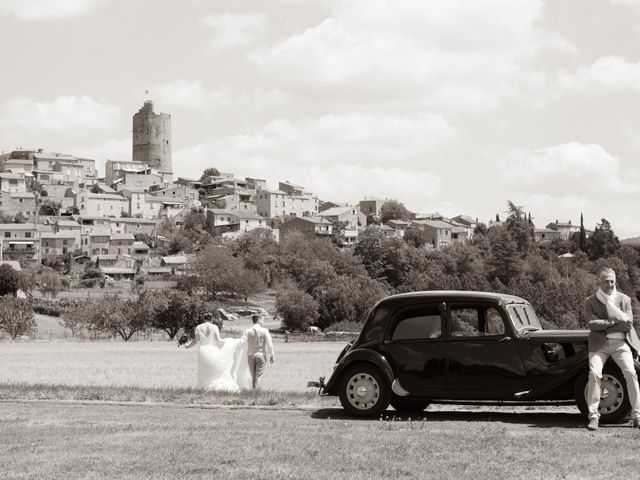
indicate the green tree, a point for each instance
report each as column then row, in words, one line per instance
column 603, row 242
column 504, row 260
column 50, row 283
column 582, row 239
column 16, row 317
column 209, row 172
column 384, row 258
column 116, row 316
column 393, row 210
column 178, row 311
column 216, row 268
column 9, row 280
column 415, row 237
column 247, row 282
column 75, row 318
column 520, row 229
column 298, row 309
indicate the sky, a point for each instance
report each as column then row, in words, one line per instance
column 450, row 106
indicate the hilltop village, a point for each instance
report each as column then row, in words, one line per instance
column 56, row 204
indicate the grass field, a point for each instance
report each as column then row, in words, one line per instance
column 149, row 364
column 52, row 440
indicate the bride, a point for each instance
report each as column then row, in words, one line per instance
column 222, row 362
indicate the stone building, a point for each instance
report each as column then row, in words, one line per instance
column 152, row 138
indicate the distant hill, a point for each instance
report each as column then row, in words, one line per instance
column 634, row 242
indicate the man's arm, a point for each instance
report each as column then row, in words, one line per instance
column 269, row 346
column 594, row 323
column 626, row 324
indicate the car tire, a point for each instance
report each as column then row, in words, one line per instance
column 364, row 391
column 407, row 406
column 614, row 401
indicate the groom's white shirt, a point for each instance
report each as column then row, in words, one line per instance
column 259, row 341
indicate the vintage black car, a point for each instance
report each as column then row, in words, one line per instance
column 428, row 347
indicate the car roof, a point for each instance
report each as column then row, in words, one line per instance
column 448, row 295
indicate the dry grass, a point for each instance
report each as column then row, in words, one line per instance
column 75, row 441
column 149, row 364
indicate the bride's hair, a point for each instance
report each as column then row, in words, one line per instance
column 216, row 319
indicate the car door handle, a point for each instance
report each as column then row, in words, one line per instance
column 505, row 339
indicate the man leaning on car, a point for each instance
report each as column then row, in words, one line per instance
column 608, row 315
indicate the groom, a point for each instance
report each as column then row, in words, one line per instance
column 260, row 349
column 608, row 315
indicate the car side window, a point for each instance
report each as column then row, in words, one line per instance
column 476, row 322
column 418, row 324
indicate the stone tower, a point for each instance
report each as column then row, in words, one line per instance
column 152, row 138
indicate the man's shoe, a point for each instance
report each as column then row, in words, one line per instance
column 593, row 424
column 635, row 423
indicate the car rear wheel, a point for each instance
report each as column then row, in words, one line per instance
column 364, row 392
column 408, row 406
column 614, row 399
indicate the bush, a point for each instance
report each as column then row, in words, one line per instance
column 16, row 317
column 46, row 307
column 344, row 326
column 298, row 309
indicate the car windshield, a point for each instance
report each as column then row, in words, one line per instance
column 524, row 318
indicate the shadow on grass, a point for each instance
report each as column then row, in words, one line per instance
column 539, row 419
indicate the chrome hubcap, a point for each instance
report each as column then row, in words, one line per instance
column 363, row 391
column 611, row 394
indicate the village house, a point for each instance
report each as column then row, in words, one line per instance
column 230, row 194
column 288, row 201
column 138, row 180
column 371, row 207
column 58, row 243
column 121, row 243
column 68, row 173
column 101, row 204
column 19, row 240
column 310, row 227
column 437, row 233
column 184, row 193
column 350, row 218
column 565, row 229
column 250, row 221
column 115, row 169
column 13, row 182
column 18, row 202
column 542, row 235
column 95, row 242
column 468, row 223
column 68, row 228
column 399, row 226
column 140, row 251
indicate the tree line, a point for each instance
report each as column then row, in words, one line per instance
column 319, row 283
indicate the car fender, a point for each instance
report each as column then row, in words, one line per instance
column 358, row 356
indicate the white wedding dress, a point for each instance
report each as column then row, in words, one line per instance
column 222, row 363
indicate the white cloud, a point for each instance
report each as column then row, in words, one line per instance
column 63, row 114
column 339, row 157
column 447, row 54
column 45, row 9
column 233, row 31
column 113, row 149
column 569, row 168
column 605, row 75
column 634, row 4
column 190, row 94
column 560, row 182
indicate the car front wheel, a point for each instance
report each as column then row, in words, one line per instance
column 614, row 399
column 364, row 392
